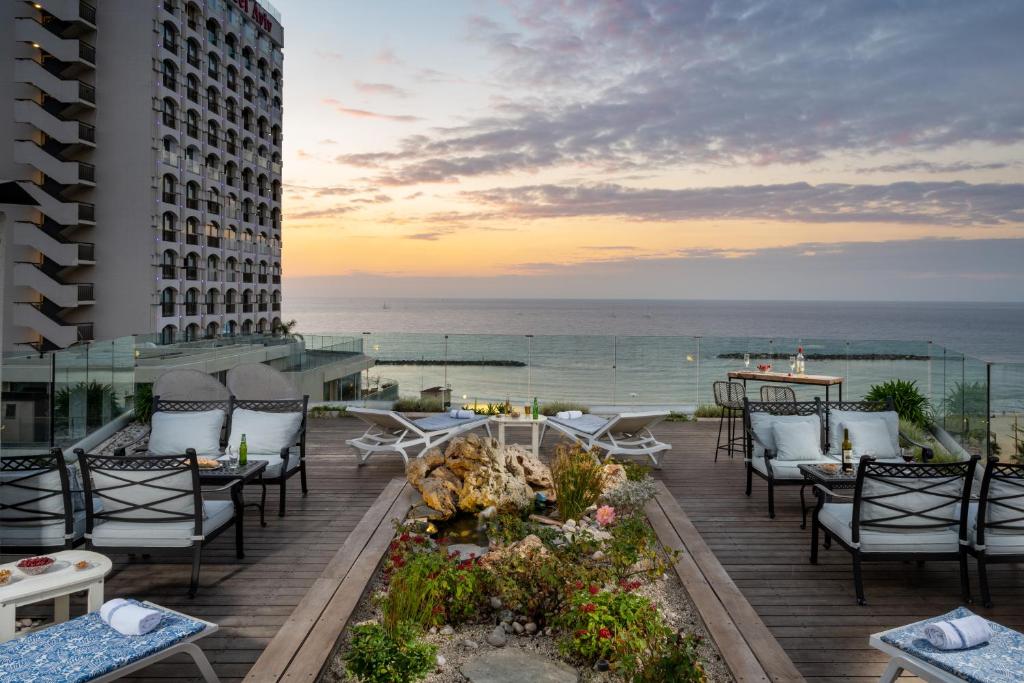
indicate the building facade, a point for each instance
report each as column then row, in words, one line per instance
column 148, row 135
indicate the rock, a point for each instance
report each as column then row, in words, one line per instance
column 537, row 473
column 507, row 626
column 447, row 630
column 614, row 476
column 467, row 550
column 441, row 495
column 514, row 666
column 488, row 512
column 597, row 556
column 570, row 525
column 498, row 637
column 506, row 616
column 441, row 661
column 530, row 627
column 446, row 474
column 495, row 603
column 416, row 471
column 433, row 458
column 433, row 630
column 517, row 627
column 493, row 479
column 425, row 512
column 470, row 644
column 25, row 622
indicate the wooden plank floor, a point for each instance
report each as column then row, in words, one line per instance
column 811, row 610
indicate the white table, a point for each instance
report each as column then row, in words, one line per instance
column 57, row 583
column 525, row 421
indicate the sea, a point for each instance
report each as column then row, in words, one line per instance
column 660, row 352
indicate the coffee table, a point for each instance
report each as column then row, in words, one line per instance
column 235, row 480
column 57, row 583
column 833, row 481
column 535, row 429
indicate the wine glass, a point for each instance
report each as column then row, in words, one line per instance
column 230, row 459
column 746, row 360
column 792, row 364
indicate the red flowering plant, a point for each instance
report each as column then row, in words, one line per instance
column 617, row 625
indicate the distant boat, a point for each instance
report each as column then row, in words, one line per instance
column 386, row 307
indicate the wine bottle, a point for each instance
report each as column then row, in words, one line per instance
column 243, row 452
column 800, row 365
column 536, row 408
column 847, row 451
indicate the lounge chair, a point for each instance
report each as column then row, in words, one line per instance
column 1000, row 660
column 616, row 435
column 996, row 526
column 899, row 511
column 392, row 432
column 86, row 649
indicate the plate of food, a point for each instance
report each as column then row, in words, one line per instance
column 5, row 577
column 209, row 464
column 829, row 468
column 35, row 565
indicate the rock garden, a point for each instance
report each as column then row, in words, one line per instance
column 511, row 570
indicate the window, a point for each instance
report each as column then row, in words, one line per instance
column 247, row 57
column 247, row 119
column 167, row 305
column 232, row 44
column 170, row 75
column 192, row 88
column 170, row 37
column 212, row 132
column 230, row 169
column 169, row 115
column 168, row 188
column 213, row 206
column 211, row 329
column 192, row 195
column 168, row 333
column 10, row 410
column 192, row 302
column 192, row 123
column 212, row 32
column 192, row 52
column 229, row 110
column 169, row 227
column 213, row 100
column 230, row 142
column 192, row 269
column 213, row 66
column 192, row 159
column 192, row 230
column 261, row 185
column 231, row 78
column 247, row 216
column 247, row 88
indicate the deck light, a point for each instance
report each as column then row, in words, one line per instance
column 35, row 45
column 37, row 5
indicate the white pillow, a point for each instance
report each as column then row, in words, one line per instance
column 869, row 437
column 762, row 423
column 172, row 433
column 836, row 418
column 797, row 440
column 265, row 433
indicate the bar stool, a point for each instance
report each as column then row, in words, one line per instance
column 773, row 394
column 729, row 397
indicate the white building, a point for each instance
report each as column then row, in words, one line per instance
column 148, row 134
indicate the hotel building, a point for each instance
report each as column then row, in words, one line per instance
column 143, row 139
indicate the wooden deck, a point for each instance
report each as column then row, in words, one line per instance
column 810, row 610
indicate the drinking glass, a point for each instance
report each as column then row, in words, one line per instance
column 746, row 360
column 230, row 459
column 792, row 363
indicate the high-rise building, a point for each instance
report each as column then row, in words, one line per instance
column 147, row 134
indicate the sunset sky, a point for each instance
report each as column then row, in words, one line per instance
column 671, row 149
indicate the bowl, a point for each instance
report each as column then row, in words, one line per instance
column 35, row 565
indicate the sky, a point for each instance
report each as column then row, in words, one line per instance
column 655, row 149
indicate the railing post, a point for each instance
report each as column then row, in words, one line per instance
column 53, row 398
column 698, row 371
column 444, row 385
column 988, row 410
column 615, row 365
column 529, row 367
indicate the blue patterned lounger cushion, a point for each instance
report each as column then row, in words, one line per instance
column 1001, row 660
column 86, row 648
column 436, row 423
column 588, row 424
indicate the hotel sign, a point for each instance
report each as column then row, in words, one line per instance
column 256, row 13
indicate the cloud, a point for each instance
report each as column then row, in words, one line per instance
column 620, row 85
column 380, row 89
column 365, row 114
column 934, row 203
column 426, row 236
column 328, row 141
column 327, row 212
column 609, row 247
column 933, row 167
column 388, row 56
column 329, row 55
column 376, row 199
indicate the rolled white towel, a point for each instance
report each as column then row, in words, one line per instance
column 574, row 414
column 958, row 634
column 563, row 414
column 129, row 618
column 463, row 414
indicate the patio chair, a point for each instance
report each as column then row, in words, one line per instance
column 87, row 649
column 153, row 503
column 729, row 397
column 37, row 510
column 616, row 435
column 900, row 511
column 996, row 529
column 189, row 385
column 391, row 432
column 774, row 394
column 763, row 457
column 260, row 381
column 276, row 432
column 840, row 413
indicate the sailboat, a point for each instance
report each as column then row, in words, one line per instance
column 386, row 307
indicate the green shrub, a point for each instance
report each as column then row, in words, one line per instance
column 552, row 408
column 619, row 626
column 708, row 411
column 908, row 402
column 634, row 549
column 680, row 664
column 966, row 398
column 577, row 477
column 380, row 655
column 418, row 405
column 142, row 403
column 631, row 495
column 328, row 411
column 675, row 416
column 100, row 403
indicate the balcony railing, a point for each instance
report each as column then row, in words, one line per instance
column 168, row 272
column 86, row 251
column 85, row 292
column 86, row 52
column 262, row 307
column 247, row 277
column 87, row 12
column 191, row 203
column 276, row 306
column 86, row 172
column 191, row 308
column 246, row 308
column 263, row 278
column 86, row 132
column 275, row 279
column 191, row 273
column 167, row 309
column 212, row 241
column 191, row 238
column 229, row 308
column 86, row 92
column 86, row 212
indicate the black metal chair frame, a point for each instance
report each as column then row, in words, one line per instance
column 164, row 467
column 869, row 468
column 773, row 408
column 727, row 418
column 1013, row 475
column 36, row 466
column 292, row 405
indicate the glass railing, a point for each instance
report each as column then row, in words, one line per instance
column 1006, row 410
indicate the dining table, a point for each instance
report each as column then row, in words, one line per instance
column 827, row 381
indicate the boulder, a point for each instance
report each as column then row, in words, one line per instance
column 416, row 471
column 440, row 494
column 537, row 474
column 614, row 476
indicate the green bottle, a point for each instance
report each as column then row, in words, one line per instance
column 536, row 408
column 243, row 452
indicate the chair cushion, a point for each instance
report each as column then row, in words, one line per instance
column 274, row 462
column 761, row 424
column 173, row 433
column 118, row 490
column 32, row 502
column 40, row 535
column 443, row 421
column 796, row 441
column 911, row 502
column 85, row 648
column 265, row 432
column 836, row 418
column 838, row 518
column 788, row 469
column 217, row 513
column 869, row 437
column 997, row 541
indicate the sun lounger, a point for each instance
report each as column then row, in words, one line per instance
column 1000, row 660
column 616, row 435
column 391, row 432
column 86, row 649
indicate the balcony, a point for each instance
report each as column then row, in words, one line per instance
column 276, row 306
column 167, row 309
column 58, row 209
column 45, row 279
column 68, row 132
column 275, row 279
column 192, row 203
column 191, row 308
column 211, row 308
column 169, row 197
column 191, row 273
column 246, row 308
column 247, row 277
column 262, row 307
column 66, row 91
column 212, row 241
column 68, row 50
column 229, row 308
column 169, row 235
column 60, row 170
column 168, row 272
column 191, row 238
column 263, row 278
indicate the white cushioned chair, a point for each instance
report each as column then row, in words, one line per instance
column 153, row 502
column 899, row 511
column 996, row 524
column 37, row 510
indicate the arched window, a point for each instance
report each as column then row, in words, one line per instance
column 192, row 332
column 261, row 214
column 275, row 137
column 231, row 110
column 191, row 266
column 231, row 78
column 169, row 189
column 211, row 330
column 213, row 100
column 169, row 113
column 247, row 212
column 231, row 142
column 192, row 230
column 262, row 272
column 247, row 327
column 192, row 123
column 230, row 170
column 168, row 265
column 247, row 115
column 213, row 66
column 192, row 301
column 232, row 327
column 192, row 87
column 192, row 52
column 232, row 44
column 262, row 185
column 169, row 227
column 247, row 180
column 192, row 195
column 246, row 273
column 167, row 334
column 167, row 302
column 247, row 57
column 230, row 301
column 232, row 232
column 213, row 205
column 212, row 267
column 170, row 37
column 170, row 151
column 170, row 75
column 275, row 218
column 212, row 31
column 231, row 270
column 276, row 78
column 212, row 133
column 261, row 327
column 262, row 69
column 247, row 88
